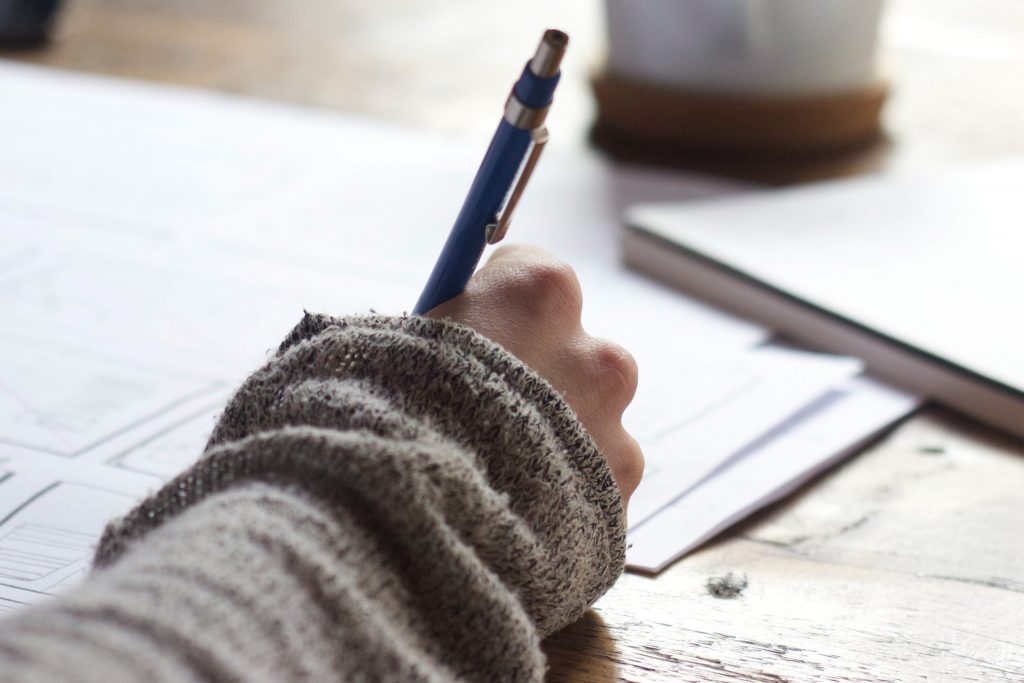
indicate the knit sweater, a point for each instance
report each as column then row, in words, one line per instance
column 392, row 499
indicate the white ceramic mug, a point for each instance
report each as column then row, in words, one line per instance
column 753, row 47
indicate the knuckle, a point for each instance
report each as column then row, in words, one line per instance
column 617, row 369
column 506, row 251
column 551, row 286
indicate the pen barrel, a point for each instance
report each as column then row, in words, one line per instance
column 467, row 239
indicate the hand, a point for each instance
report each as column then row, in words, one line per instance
column 530, row 303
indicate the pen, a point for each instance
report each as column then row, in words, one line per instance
column 512, row 154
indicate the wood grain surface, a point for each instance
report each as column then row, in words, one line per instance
column 905, row 564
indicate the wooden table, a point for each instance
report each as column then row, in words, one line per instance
column 907, row 563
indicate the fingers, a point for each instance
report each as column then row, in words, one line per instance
column 610, row 369
column 607, row 376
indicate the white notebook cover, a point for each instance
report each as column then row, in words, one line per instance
column 923, row 278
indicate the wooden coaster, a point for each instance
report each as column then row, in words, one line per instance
column 638, row 119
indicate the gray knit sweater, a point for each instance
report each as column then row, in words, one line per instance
column 387, row 499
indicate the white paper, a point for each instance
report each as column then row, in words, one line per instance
column 702, row 411
column 52, row 513
column 63, row 403
column 835, row 427
column 166, row 445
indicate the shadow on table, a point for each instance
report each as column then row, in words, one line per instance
column 583, row 652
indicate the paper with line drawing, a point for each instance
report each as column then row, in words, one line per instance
column 135, row 295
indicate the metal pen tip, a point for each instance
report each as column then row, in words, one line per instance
column 549, row 53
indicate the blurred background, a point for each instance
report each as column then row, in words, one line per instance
column 956, row 68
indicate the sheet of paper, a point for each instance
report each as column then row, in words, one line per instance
column 833, row 428
column 52, row 512
column 54, row 503
column 701, row 411
column 63, row 403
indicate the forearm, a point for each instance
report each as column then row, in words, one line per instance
column 263, row 583
column 390, row 499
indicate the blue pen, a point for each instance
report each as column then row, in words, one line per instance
column 513, row 152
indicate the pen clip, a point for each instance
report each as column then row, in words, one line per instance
column 496, row 230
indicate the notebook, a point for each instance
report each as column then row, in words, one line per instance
column 922, row 278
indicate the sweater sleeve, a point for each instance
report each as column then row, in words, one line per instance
column 387, row 499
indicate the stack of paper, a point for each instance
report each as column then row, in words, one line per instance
column 728, row 421
column 157, row 244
